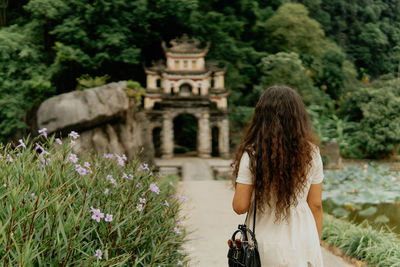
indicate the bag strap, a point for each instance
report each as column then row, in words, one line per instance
column 254, row 215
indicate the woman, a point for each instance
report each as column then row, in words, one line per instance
column 278, row 164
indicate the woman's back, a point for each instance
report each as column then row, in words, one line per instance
column 283, row 173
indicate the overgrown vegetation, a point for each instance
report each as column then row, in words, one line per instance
column 379, row 248
column 58, row 209
column 335, row 53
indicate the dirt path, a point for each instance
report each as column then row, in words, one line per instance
column 211, row 218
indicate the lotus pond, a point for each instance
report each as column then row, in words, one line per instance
column 370, row 192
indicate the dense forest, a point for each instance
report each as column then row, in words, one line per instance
column 341, row 56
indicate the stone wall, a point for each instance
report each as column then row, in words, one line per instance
column 105, row 117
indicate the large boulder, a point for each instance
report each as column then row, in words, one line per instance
column 83, row 109
column 106, row 119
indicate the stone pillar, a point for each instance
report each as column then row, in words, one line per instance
column 176, row 89
column 204, row 136
column 223, row 142
column 167, row 137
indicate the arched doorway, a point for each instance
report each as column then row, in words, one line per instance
column 157, row 141
column 185, row 135
column 215, row 141
column 185, row 90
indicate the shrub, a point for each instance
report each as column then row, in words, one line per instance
column 375, row 247
column 86, row 81
column 135, row 90
column 59, row 210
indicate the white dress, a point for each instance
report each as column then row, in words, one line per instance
column 291, row 243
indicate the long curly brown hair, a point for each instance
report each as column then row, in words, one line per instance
column 279, row 142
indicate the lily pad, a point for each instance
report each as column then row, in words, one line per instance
column 340, row 212
column 368, row 212
column 381, row 219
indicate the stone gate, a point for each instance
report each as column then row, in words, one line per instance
column 187, row 84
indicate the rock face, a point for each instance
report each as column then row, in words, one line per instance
column 105, row 117
column 83, row 109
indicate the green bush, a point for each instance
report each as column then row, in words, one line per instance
column 58, row 210
column 86, row 81
column 378, row 248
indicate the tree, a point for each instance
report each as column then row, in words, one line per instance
column 286, row 68
column 24, row 78
column 291, row 30
column 375, row 109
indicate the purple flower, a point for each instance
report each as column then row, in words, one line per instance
column 72, row 143
column 176, row 230
column 97, row 214
column 5, row 185
column 43, row 132
column 87, row 166
column 108, row 156
column 171, row 184
column 44, row 160
column 182, row 198
column 130, row 177
column 98, row 254
column 121, row 159
column 80, row 169
column 154, row 188
column 108, row 218
column 58, row 141
column 178, row 222
column 138, row 185
column 9, row 158
column 121, row 162
column 142, row 200
column 179, row 263
column 21, row 144
column 144, row 166
column 106, row 191
column 166, row 203
column 94, row 210
column 33, row 195
column 139, row 207
column 42, row 151
column 108, row 177
column 74, row 134
column 112, row 181
column 73, row 158
column 124, row 176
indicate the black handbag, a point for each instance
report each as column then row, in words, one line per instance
column 242, row 252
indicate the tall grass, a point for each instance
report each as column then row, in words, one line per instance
column 379, row 248
column 58, row 210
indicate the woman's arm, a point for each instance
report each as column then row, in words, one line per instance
column 241, row 200
column 314, row 200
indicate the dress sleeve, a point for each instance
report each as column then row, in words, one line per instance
column 317, row 169
column 244, row 174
